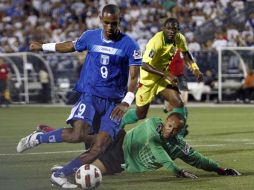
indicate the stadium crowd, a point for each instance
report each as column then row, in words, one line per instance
column 23, row 21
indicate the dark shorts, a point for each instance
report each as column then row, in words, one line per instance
column 3, row 85
column 114, row 157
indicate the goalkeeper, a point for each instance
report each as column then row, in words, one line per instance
column 152, row 145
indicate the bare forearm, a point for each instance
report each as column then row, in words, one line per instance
column 151, row 69
column 65, row 47
column 134, row 74
column 62, row 47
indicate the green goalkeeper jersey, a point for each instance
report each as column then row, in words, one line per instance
column 145, row 150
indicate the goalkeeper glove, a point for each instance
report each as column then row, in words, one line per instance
column 228, row 171
column 185, row 174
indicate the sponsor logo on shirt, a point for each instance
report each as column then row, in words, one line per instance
column 151, row 54
column 137, row 54
column 105, row 49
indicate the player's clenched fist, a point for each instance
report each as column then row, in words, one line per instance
column 35, row 46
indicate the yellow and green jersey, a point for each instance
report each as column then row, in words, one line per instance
column 158, row 53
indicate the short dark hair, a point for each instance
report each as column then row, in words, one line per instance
column 172, row 21
column 179, row 116
column 110, row 8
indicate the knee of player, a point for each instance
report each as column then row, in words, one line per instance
column 181, row 103
column 178, row 103
column 142, row 115
column 77, row 137
column 96, row 150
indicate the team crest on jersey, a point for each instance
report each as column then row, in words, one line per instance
column 186, row 149
column 151, row 54
column 104, row 59
column 137, row 54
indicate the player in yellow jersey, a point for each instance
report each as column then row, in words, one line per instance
column 154, row 76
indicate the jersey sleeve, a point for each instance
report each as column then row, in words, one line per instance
column 162, row 157
column 181, row 43
column 134, row 55
column 196, row 159
column 151, row 50
column 81, row 43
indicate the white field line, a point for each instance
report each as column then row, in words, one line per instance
column 41, row 153
column 208, row 145
column 79, row 151
column 223, row 140
column 250, row 143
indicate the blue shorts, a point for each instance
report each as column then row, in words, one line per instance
column 96, row 112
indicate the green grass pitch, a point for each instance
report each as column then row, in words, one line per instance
column 224, row 134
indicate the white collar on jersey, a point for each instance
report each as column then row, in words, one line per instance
column 104, row 39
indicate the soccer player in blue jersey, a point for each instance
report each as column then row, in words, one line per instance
column 112, row 56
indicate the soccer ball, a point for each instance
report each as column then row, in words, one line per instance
column 88, row 176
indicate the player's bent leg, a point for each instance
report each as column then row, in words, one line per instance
column 167, row 107
column 100, row 165
column 184, row 95
column 129, row 117
column 102, row 141
column 174, row 98
column 38, row 137
column 71, row 135
column 112, row 160
column 77, row 133
column 142, row 111
column 133, row 115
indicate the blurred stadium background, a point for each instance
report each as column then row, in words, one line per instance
column 220, row 36
column 208, row 26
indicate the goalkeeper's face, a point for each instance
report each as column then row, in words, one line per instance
column 172, row 126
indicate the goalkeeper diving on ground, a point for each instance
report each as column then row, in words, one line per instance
column 151, row 145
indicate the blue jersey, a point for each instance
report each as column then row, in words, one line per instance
column 106, row 67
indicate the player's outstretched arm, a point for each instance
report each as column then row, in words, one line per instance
column 198, row 160
column 63, row 47
column 190, row 62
